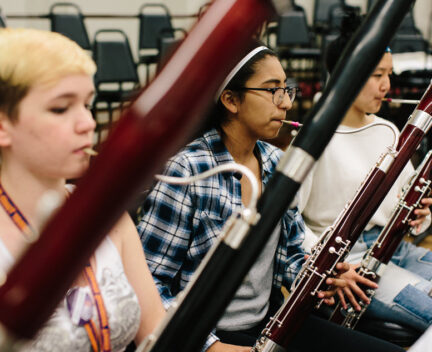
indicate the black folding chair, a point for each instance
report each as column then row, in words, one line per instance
column 321, row 13
column 67, row 19
column 151, row 25
column 296, row 44
column 405, row 43
column 116, row 78
column 2, row 19
column 168, row 43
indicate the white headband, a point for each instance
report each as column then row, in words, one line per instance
column 237, row 68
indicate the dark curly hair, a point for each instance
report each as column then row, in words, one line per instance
column 218, row 114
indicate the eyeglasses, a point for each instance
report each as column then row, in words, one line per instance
column 278, row 93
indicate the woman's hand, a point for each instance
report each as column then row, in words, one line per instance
column 346, row 284
column 224, row 347
column 421, row 213
column 352, row 290
column 334, row 284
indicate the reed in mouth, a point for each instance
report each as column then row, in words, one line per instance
column 401, row 101
column 90, row 151
column 292, row 123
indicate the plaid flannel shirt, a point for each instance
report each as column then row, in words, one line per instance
column 181, row 222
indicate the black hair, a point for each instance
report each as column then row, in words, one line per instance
column 219, row 114
column 350, row 23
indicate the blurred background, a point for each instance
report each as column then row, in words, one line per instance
column 130, row 40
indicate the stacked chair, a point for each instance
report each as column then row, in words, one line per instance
column 66, row 18
column 167, row 44
column 151, row 26
column 116, row 79
column 2, row 20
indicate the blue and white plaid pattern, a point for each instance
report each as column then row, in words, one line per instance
column 180, row 223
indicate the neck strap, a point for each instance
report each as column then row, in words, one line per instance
column 16, row 216
column 98, row 343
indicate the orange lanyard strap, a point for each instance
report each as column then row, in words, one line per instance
column 105, row 340
column 92, row 334
column 17, row 217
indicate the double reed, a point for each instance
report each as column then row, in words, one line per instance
column 336, row 242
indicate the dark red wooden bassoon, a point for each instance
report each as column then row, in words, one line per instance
column 336, row 242
column 375, row 260
column 160, row 121
column 145, row 137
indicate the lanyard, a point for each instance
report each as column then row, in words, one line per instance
column 104, row 338
column 17, row 217
column 98, row 342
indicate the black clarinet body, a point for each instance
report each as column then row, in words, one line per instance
column 379, row 255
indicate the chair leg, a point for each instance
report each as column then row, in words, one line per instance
column 147, row 74
column 99, row 134
column 110, row 114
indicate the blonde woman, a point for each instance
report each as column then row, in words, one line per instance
column 46, row 88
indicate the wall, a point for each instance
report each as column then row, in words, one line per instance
column 107, row 7
column 422, row 12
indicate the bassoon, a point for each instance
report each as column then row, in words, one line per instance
column 377, row 257
column 145, row 137
column 224, row 267
column 336, row 242
column 160, row 121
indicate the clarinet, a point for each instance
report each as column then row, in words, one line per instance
column 378, row 256
column 336, row 242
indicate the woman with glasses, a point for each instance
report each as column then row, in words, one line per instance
column 180, row 223
column 46, row 132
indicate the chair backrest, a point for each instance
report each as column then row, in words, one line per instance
column 370, row 3
column 408, row 25
column 167, row 44
column 337, row 13
column 2, row 19
column 151, row 24
column 113, row 56
column 293, row 29
column 405, row 43
column 322, row 9
column 67, row 19
column 325, row 42
column 203, row 8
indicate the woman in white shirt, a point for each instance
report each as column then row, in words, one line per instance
column 403, row 293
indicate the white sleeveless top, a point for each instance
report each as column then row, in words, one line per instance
column 6, row 259
column 121, row 303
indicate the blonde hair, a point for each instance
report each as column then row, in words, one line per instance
column 30, row 57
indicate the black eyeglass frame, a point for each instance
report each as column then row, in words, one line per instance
column 273, row 90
